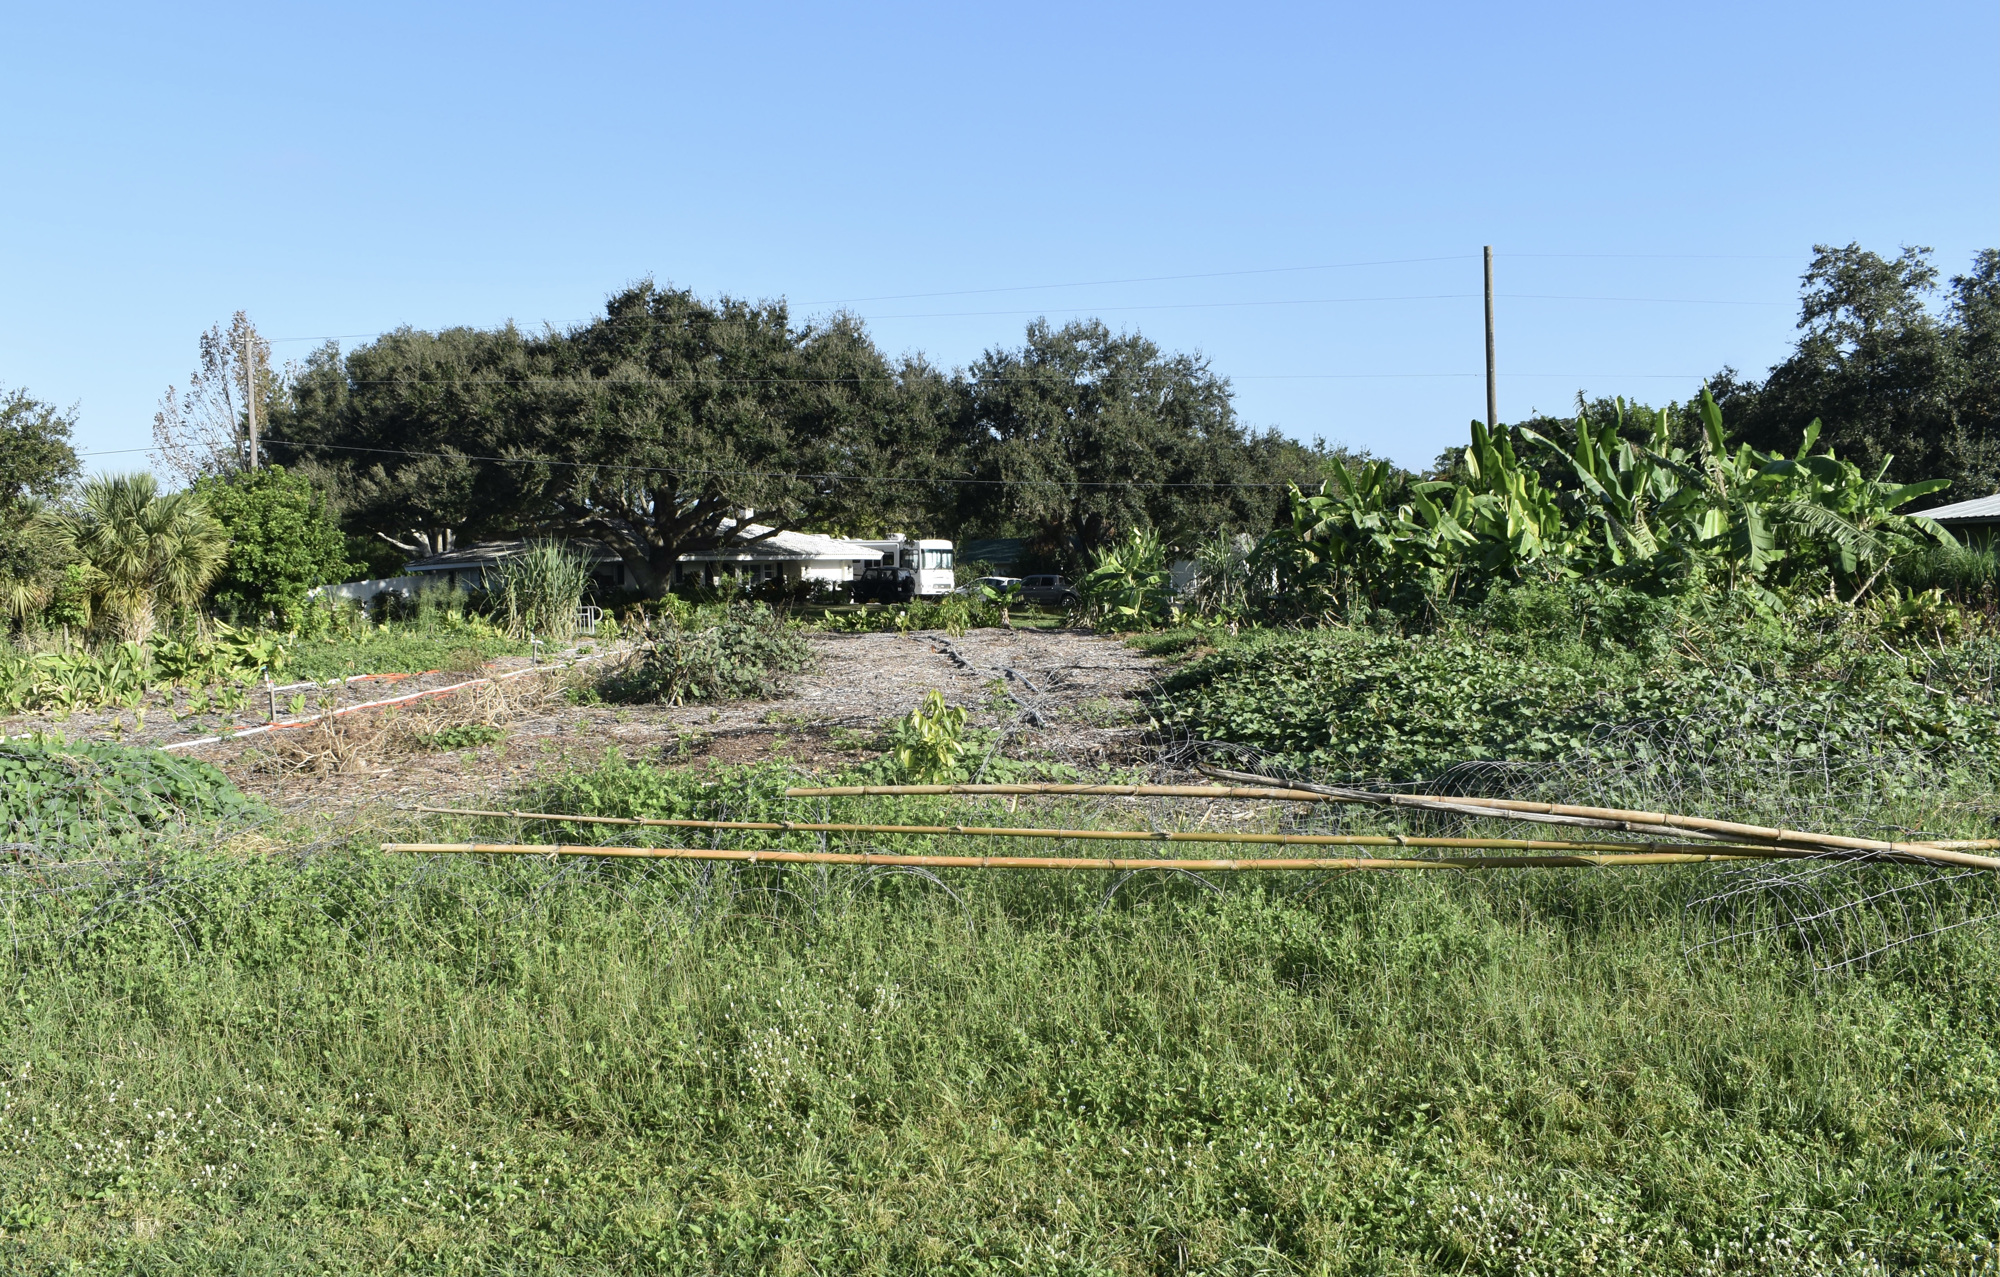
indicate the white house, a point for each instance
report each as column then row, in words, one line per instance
column 790, row 556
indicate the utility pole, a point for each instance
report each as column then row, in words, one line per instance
column 1492, row 386
column 251, row 361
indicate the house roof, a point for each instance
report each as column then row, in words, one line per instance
column 779, row 547
column 1977, row 510
column 485, row 554
column 783, row 547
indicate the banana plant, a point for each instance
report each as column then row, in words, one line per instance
column 1626, row 488
column 1130, row 586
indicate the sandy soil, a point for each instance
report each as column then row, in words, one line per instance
column 1067, row 696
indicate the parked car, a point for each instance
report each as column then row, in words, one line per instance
column 995, row 583
column 885, row 585
column 1049, row 591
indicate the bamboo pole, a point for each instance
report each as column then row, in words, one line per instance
column 1639, row 821
column 1114, row 835
column 1107, row 791
column 1492, row 808
column 755, row 856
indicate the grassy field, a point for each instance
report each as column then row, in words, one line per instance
column 261, row 1060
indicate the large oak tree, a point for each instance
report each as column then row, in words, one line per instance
column 1887, row 372
column 1083, row 434
column 651, row 429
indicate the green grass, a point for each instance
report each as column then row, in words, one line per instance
column 392, row 651
column 353, row 1063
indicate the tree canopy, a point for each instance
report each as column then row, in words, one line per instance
column 656, row 426
column 36, row 458
column 653, row 429
column 1082, row 436
column 283, row 541
column 1891, row 377
column 37, row 463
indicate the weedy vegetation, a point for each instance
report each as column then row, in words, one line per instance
column 313, row 1056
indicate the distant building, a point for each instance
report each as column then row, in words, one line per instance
column 788, row 556
column 1974, row 522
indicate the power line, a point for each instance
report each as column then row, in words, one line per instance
column 1142, row 279
column 1318, row 301
column 1281, row 301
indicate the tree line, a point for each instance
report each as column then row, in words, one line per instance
column 655, row 426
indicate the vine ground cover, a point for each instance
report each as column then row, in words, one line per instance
column 350, row 1063
column 1354, row 704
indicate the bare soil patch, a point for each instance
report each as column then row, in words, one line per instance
column 1059, row 695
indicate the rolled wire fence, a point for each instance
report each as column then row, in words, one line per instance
column 1830, row 910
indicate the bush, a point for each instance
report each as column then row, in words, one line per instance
column 742, row 654
column 954, row 614
column 1604, row 616
column 283, row 542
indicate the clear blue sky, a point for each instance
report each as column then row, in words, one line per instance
column 340, row 170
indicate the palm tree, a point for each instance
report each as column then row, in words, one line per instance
column 151, row 549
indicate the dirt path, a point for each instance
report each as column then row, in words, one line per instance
column 1064, row 696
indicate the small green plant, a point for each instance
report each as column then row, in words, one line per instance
column 928, row 745
column 1918, row 614
column 461, row 736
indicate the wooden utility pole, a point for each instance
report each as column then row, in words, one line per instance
column 1492, row 386
column 251, row 363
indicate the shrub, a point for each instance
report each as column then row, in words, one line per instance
column 954, row 614
column 1130, row 586
column 283, row 542
column 743, row 654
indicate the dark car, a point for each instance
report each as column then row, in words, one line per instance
column 885, row 585
column 1049, row 591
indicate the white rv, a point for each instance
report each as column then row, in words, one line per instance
column 930, row 560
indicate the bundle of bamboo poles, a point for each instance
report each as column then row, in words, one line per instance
column 1744, row 839
column 1702, row 839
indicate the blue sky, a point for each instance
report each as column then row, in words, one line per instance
column 1652, row 179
